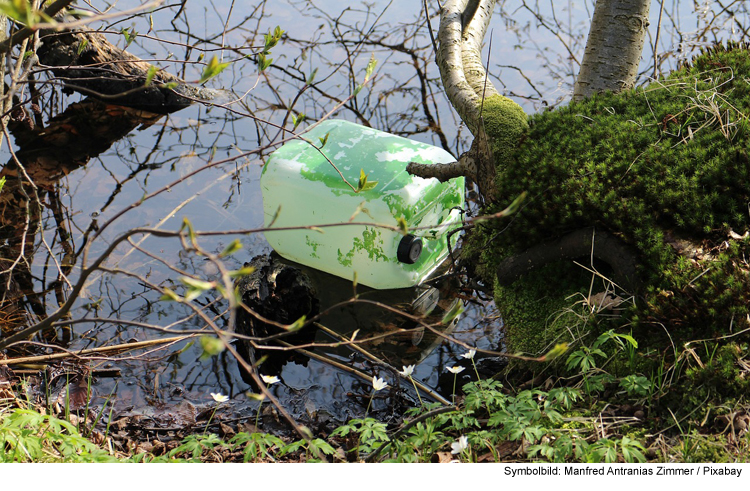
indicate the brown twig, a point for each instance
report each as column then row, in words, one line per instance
column 101, row 349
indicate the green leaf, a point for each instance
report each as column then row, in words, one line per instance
column 20, row 11
column 197, row 284
column 636, row 384
column 233, row 247
column 263, row 62
column 322, row 445
column 311, row 77
column 2, row 182
column 292, row 447
column 323, row 140
column 364, row 184
column 150, row 75
column 370, row 66
column 403, row 227
column 627, row 337
column 272, row 38
column 189, row 226
column 297, row 120
column 78, row 14
column 455, row 310
column 82, row 46
column 212, row 69
column 170, row 296
column 515, row 205
column 211, row 345
column 244, row 271
column 130, row 34
column 297, row 325
column 558, row 350
column 368, row 73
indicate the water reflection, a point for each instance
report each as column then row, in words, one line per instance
column 92, row 169
column 45, row 156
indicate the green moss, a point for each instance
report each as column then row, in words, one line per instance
column 697, row 448
column 650, row 165
column 542, row 313
column 666, row 168
column 504, row 122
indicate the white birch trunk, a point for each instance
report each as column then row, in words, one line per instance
column 4, row 106
column 614, row 47
column 463, row 24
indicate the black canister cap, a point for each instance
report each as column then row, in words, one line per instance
column 409, row 249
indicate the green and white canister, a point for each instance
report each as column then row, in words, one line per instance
column 303, row 188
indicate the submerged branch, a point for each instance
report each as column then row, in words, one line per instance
column 91, row 351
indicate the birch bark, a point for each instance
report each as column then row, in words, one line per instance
column 495, row 121
column 614, row 47
column 463, row 25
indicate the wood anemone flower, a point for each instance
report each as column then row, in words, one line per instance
column 460, row 445
column 470, row 354
column 378, row 383
column 219, row 397
column 270, row 379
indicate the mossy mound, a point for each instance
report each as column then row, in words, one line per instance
column 665, row 168
column 506, row 122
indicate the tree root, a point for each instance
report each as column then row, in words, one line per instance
column 580, row 243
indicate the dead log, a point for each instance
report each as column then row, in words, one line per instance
column 279, row 293
column 88, row 63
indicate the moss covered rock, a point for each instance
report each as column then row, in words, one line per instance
column 666, row 169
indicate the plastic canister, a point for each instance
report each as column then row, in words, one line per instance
column 302, row 187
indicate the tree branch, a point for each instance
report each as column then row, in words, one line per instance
column 19, row 36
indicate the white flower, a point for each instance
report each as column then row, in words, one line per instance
column 459, row 446
column 270, row 379
column 407, row 371
column 470, row 354
column 219, row 397
column 455, row 370
column 378, row 383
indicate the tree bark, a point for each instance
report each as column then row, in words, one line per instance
column 495, row 121
column 89, row 64
column 614, row 47
column 4, row 106
column 463, row 24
